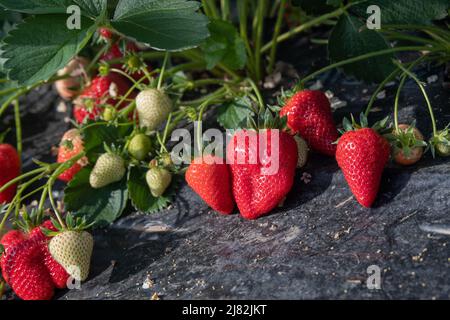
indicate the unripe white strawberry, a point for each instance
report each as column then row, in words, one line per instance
column 302, row 150
column 158, row 179
column 108, row 169
column 153, row 107
column 73, row 251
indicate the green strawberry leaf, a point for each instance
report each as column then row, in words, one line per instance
column 405, row 11
column 95, row 136
column 99, row 206
column 234, row 114
column 350, row 38
column 140, row 194
column 166, row 25
column 33, row 55
column 91, row 8
column 36, row 6
column 224, row 45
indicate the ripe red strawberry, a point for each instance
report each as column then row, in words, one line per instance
column 102, row 90
column 27, row 265
column 26, row 272
column 70, row 146
column 10, row 239
column 257, row 188
column 362, row 156
column 211, row 180
column 309, row 114
column 105, row 33
column 112, row 54
column 9, row 169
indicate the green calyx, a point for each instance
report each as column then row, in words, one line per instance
column 405, row 140
column 134, row 63
column 104, row 69
column 380, row 126
column 440, row 143
column 267, row 120
column 71, row 224
column 29, row 220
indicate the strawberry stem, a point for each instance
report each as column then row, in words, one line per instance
column 363, row 57
column 55, row 208
column 97, row 57
column 396, row 102
column 425, row 95
column 258, row 95
column 18, row 128
column 126, row 75
column 387, row 80
column 305, row 26
column 243, row 28
column 278, row 24
column 17, row 199
column 163, row 70
column 260, row 15
column 225, row 6
column 165, row 134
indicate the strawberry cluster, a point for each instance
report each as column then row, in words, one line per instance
column 27, row 265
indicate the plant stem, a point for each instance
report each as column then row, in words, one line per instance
column 18, row 127
column 214, row 10
column 19, row 199
column 126, row 75
column 225, row 6
column 279, row 23
column 55, row 208
column 243, row 28
column 21, row 177
column 397, row 99
column 425, row 95
column 203, row 99
column 401, row 36
column 359, row 58
column 389, row 78
column 258, row 94
column 134, row 86
column 260, row 14
column 166, row 130
column 16, row 200
column 163, row 70
column 305, row 26
column 8, row 102
column 97, row 57
column 206, row 9
column 199, row 83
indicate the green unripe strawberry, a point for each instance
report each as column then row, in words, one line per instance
column 158, row 179
column 443, row 149
column 302, row 150
column 108, row 169
column 153, row 107
column 140, row 146
column 110, row 113
column 73, row 251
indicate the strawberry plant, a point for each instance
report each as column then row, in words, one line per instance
column 134, row 71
